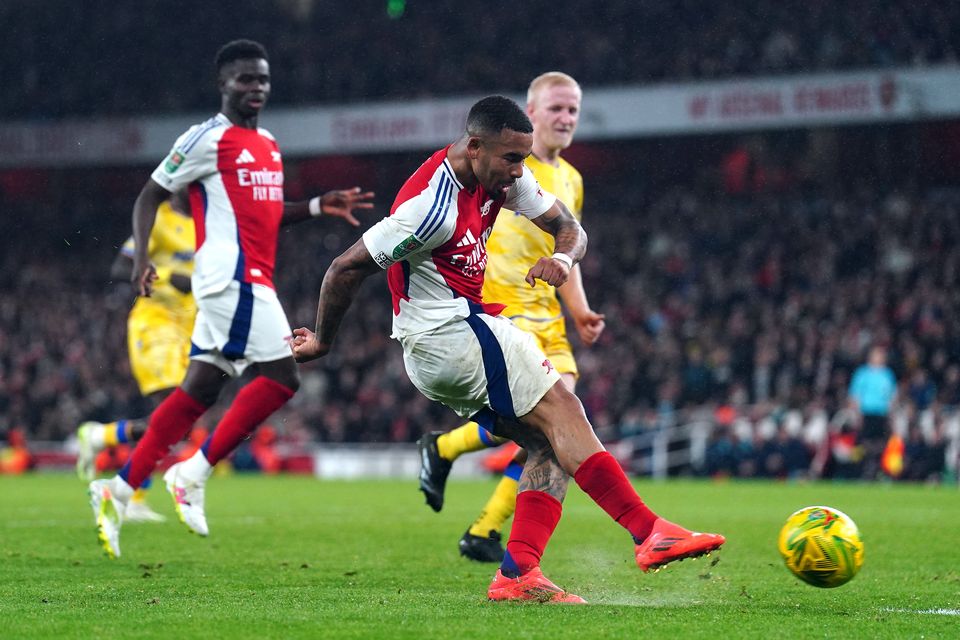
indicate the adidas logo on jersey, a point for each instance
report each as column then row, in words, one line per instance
column 467, row 239
column 474, row 262
column 245, row 157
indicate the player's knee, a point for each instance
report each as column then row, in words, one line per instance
column 563, row 401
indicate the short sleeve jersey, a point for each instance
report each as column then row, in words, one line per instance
column 171, row 250
column 516, row 244
column 433, row 244
column 235, row 179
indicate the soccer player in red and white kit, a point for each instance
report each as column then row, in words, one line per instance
column 457, row 349
column 234, row 174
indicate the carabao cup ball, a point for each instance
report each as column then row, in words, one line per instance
column 821, row 546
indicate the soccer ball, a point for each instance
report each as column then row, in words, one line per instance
column 821, row 546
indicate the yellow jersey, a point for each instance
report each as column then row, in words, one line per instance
column 516, row 244
column 171, row 247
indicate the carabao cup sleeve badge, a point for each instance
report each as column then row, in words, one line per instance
column 409, row 245
column 174, row 160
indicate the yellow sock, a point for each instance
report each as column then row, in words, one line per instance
column 140, row 495
column 500, row 506
column 469, row 437
column 110, row 434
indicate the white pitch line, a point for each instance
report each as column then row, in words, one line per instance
column 23, row 524
column 935, row 612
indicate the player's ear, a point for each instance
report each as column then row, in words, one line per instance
column 473, row 146
column 223, row 75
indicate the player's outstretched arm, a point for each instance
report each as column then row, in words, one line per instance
column 339, row 288
column 339, row 203
column 588, row 322
column 570, row 241
column 144, row 216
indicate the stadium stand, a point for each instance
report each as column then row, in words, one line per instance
column 316, row 47
column 739, row 300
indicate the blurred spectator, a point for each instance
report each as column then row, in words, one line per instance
column 15, row 457
column 921, row 390
column 259, row 453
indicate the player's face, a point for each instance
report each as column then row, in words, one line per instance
column 497, row 161
column 245, row 86
column 555, row 113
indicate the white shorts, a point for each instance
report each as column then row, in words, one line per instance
column 239, row 326
column 478, row 364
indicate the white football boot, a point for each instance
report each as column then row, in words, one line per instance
column 108, row 509
column 187, row 499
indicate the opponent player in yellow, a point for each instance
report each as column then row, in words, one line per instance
column 553, row 105
column 158, row 337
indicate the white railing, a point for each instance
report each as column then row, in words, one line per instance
column 669, row 450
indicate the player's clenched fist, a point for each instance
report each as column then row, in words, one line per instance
column 553, row 272
column 306, row 346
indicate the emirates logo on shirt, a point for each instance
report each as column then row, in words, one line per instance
column 473, row 261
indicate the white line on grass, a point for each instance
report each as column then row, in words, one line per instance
column 936, row 612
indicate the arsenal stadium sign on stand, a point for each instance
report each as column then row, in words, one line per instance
column 832, row 99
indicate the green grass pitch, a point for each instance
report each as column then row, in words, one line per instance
column 294, row 557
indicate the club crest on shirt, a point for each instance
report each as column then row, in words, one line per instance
column 485, row 209
column 410, row 244
column 174, row 160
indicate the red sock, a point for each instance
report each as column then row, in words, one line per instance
column 535, row 519
column 169, row 423
column 601, row 478
column 254, row 404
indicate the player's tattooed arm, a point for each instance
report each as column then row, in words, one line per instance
column 569, row 236
column 570, row 245
column 339, row 288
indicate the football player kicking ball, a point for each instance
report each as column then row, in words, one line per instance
column 458, row 350
column 553, row 105
column 234, row 172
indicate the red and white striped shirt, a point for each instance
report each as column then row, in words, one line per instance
column 235, row 178
column 433, row 244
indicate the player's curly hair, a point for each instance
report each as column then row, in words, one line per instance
column 493, row 114
column 240, row 50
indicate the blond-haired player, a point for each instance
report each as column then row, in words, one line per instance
column 553, row 106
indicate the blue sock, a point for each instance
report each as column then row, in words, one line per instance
column 508, row 567
column 487, row 438
column 121, row 431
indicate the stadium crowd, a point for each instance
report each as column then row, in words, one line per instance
column 316, row 47
column 754, row 309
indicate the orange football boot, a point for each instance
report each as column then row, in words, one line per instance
column 668, row 542
column 533, row 586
